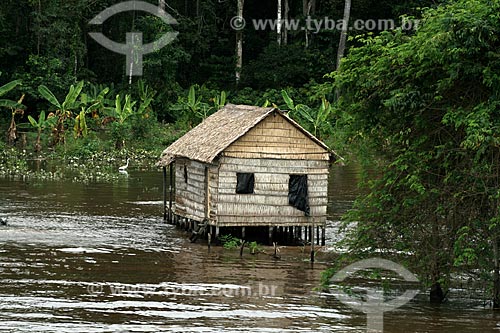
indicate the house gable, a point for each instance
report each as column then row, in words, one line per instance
column 277, row 136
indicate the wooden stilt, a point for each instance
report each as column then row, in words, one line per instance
column 312, row 242
column 170, row 210
column 164, row 193
column 217, row 232
column 209, row 239
column 317, row 235
column 305, row 234
column 323, row 232
column 243, row 236
column 241, row 248
column 270, row 235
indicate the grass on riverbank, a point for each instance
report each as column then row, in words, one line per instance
column 93, row 158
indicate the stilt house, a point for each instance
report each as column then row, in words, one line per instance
column 247, row 166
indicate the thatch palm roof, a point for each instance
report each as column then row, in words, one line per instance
column 207, row 140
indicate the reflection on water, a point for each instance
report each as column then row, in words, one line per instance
column 98, row 258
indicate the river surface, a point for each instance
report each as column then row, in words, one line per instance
column 98, row 258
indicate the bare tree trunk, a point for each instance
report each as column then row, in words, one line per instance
column 496, row 275
column 343, row 34
column 161, row 6
column 436, row 294
column 306, row 8
column 38, row 43
column 239, row 43
column 496, row 255
column 278, row 25
column 286, row 16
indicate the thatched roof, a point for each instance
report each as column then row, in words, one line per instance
column 207, row 140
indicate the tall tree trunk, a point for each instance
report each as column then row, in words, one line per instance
column 239, row 43
column 39, row 35
column 495, row 239
column 306, row 11
column 436, row 294
column 496, row 275
column 161, row 6
column 343, row 34
column 286, row 17
column 278, row 25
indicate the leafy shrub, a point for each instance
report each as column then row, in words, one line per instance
column 230, row 242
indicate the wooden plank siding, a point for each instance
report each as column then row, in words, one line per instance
column 189, row 196
column 268, row 205
column 275, row 137
column 213, row 190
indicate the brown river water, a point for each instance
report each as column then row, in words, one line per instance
column 99, row 258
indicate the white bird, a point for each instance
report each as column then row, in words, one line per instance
column 123, row 167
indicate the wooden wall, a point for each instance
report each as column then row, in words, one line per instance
column 190, row 196
column 275, row 137
column 268, row 205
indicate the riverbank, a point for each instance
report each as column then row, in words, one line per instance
column 96, row 166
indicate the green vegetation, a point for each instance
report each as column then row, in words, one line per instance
column 230, row 242
column 254, row 247
column 427, row 105
column 82, row 87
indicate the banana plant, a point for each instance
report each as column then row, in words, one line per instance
column 96, row 97
column 80, row 129
column 119, row 116
column 220, row 100
column 98, row 104
column 7, row 103
column 40, row 125
column 195, row 105
column 315, row 119
column 15, row 107
column 123, row 111
column 146, row 96
column 63, row 110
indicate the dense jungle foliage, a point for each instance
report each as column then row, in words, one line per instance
column 47, row 43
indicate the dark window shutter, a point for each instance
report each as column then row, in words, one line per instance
column 245, row 183
column 297, row 193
